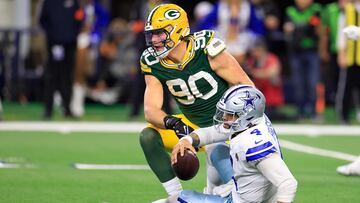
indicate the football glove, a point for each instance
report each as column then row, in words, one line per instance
column 352, row 32
column 180, row 128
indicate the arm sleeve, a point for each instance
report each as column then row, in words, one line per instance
column 276, row 171
column 209, row 135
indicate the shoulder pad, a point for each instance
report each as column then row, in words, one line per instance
column 215, row 47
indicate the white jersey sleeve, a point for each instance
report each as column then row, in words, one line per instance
column 210, row 135
column 276, row 171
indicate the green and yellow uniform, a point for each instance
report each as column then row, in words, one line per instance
column 194, row 85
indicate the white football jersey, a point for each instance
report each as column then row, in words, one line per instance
column 246, row 150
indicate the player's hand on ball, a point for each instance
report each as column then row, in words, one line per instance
column 352, row 32
column 184, row 160
column 181, row 146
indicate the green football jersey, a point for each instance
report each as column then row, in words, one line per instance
column 194, row 85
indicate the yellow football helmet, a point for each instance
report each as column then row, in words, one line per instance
column 168, row 19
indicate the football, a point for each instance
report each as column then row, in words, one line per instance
column 186, row 166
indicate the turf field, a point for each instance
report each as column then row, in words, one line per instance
column 45, row 170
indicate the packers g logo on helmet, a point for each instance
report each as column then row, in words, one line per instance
column 168, row 19
column 172, row 14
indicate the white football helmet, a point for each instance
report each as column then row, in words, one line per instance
column 240, row 107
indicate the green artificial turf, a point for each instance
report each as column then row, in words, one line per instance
column 53, row 179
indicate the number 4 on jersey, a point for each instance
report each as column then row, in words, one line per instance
column 256, row 131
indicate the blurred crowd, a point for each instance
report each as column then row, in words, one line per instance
column 76, row 51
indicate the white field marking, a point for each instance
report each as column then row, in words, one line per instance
column 82, row 166
column 317, row 151
column 15, row 165
column 136, row 127
column 67, row 127
column 6, row 165
column 12, row 159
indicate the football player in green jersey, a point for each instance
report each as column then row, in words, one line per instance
column 196, row 70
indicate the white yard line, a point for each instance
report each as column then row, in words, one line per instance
column 6, row 165
column 136, row 127
column 72, row 126
column 317, row 151
column 15, row 165
column 82, row 166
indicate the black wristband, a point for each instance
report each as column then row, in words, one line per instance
column 170, row 121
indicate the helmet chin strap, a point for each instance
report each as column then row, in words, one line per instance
column 164, row 53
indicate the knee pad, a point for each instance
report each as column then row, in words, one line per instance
column 220, row 152
column 220, row 159
column 150, row 138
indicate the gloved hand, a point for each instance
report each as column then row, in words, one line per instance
column 180, row 128
column 352, row 32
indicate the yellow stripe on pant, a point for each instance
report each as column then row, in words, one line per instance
column 169, row 137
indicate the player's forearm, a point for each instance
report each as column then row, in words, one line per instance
column 155, row 116
column 153, row 101
column 287, row 190
column 209, row 135
column 276, row 171
column 205, row 136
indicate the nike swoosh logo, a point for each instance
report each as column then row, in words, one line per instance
column 257, row 142
column 186, row 130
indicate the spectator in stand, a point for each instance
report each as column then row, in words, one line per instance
column 269, row 14
column 201, row 10
column 96, row 19
column 302, row 28
column 236, row 22
column 265, row 70
column 61, row 21
column 349, row 62
column 328, row 48
column 351, row 32
column 118, row 56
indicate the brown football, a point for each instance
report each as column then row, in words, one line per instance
column 186, row 166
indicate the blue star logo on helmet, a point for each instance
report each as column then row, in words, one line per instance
column 249, row 100
column 172, row 14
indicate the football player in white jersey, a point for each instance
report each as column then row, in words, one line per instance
column 260, row 174
column 353, row 169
